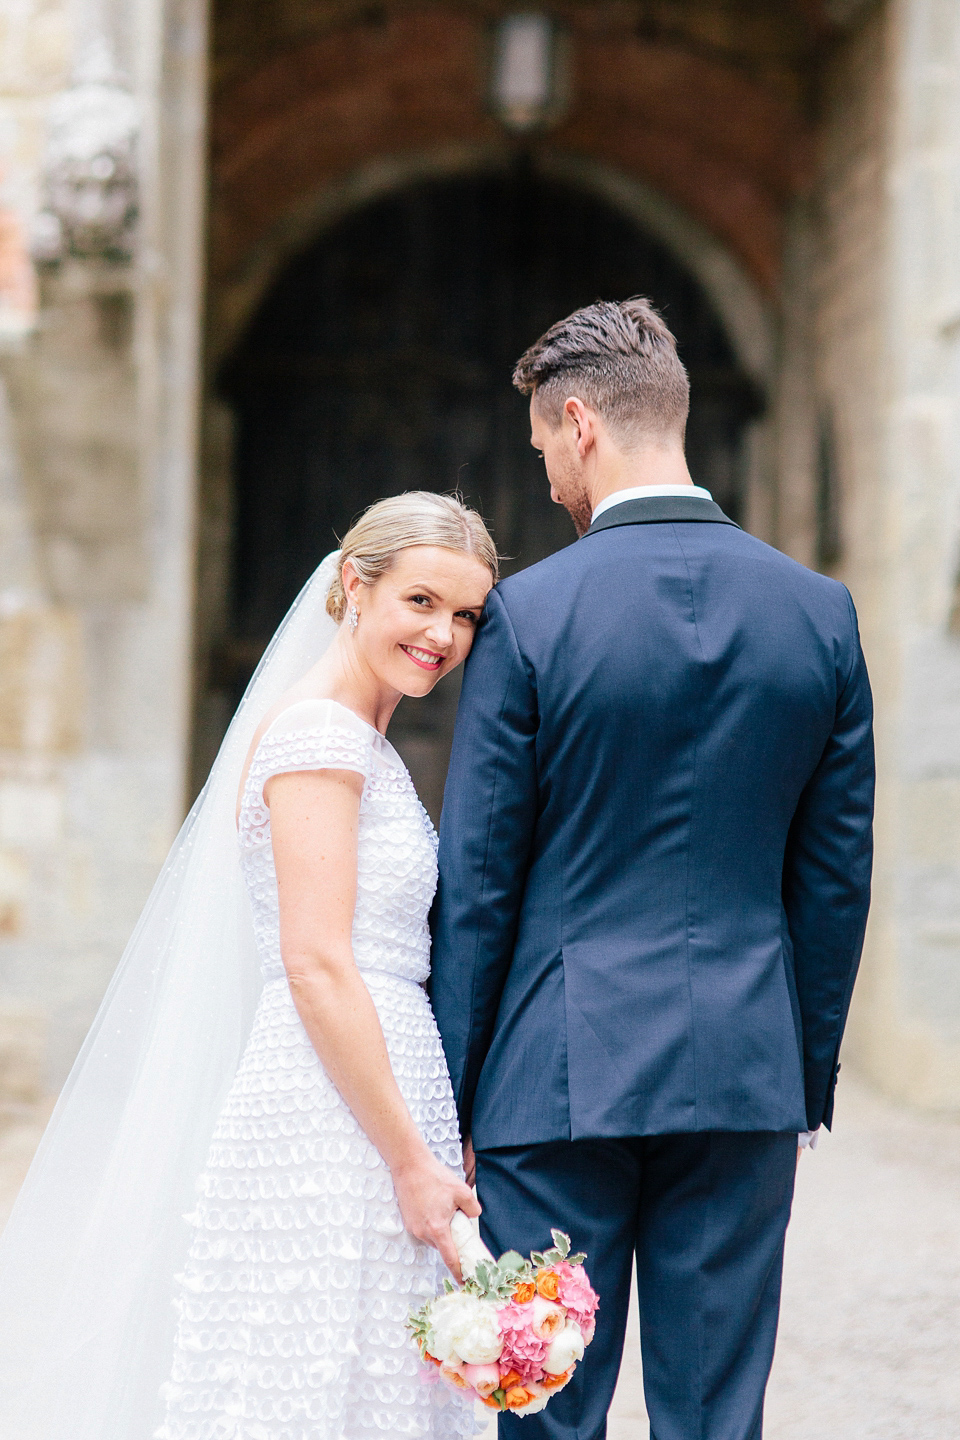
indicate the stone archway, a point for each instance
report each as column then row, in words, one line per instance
column 379, row 360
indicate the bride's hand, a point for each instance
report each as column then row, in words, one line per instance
column 429, row 1196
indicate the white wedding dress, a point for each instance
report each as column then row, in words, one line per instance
column 300, row 1277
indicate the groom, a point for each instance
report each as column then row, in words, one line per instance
column 654, row 878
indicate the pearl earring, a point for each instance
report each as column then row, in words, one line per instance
column 353, row 615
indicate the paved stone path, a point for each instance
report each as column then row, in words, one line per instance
column 869, row 1343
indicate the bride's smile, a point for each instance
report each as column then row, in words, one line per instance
column 425, row 658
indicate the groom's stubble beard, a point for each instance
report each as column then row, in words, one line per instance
column 580, row 510
column 572, row 494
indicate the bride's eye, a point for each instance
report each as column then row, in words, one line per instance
column 470, row 615
column 420, row 599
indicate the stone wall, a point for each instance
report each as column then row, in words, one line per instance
column 96, row 471
column 886, row 296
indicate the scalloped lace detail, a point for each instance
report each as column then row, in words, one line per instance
column 294, row 1299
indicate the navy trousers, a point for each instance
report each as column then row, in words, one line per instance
column 705, row 1216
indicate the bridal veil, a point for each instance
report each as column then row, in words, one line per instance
column 89, row 1256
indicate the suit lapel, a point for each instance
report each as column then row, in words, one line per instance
column 660, row 510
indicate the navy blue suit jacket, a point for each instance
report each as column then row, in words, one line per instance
column 655, row 847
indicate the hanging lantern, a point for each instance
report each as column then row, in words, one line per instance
column 528, row 83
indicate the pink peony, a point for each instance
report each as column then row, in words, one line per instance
column 578, row 1297
column 523, row 1351
column 452, row 1371
column 483, row 1378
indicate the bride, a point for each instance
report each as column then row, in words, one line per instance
column 275, row 1309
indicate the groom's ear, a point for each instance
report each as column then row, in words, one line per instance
column 582, row 422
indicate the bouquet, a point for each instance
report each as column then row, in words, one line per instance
column 515, row 1330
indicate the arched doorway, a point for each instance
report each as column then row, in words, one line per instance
column 380, row 361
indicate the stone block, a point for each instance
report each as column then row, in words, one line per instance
column 31, row 814
column 14, row 879
column 41, row 681
column 22, row 1047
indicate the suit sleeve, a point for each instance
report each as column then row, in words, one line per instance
column 826, row 891
column 486, row 835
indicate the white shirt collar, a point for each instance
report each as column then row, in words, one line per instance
column 648, row 492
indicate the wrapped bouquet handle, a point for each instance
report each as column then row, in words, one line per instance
column 516, row 1329
column 470, row 1248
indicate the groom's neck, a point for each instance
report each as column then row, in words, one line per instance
column 615, row 469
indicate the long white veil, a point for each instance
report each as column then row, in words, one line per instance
column 88, row 1258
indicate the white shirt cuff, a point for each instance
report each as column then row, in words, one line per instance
column 807, row 1139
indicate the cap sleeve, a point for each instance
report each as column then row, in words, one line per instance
column 312, row 735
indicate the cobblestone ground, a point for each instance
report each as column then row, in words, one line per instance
column 869, row 1344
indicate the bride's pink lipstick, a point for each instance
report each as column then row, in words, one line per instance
column 424, row 664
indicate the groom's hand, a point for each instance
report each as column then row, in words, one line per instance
column 469, row 1161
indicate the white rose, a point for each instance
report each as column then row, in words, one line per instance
column 546, row 1319
column 464, row 1327
column 564, row 1350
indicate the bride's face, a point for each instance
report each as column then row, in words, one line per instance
column 418, row 621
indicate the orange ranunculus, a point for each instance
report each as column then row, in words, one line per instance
column 489, row 1400
column 548, row 1284
column 555, row 1382
column 518, row 1396
column 509, row 1380
column 524, row 1292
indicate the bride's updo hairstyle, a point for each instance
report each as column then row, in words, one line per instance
column 395, row 524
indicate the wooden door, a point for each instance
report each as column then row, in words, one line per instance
column 380, row 362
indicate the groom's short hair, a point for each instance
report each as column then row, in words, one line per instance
column 618, row 357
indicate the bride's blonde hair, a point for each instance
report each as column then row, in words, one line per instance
column 417, row 518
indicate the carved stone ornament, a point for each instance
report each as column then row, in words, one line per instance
column 90, row 173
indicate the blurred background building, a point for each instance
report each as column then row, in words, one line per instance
column 262, row 263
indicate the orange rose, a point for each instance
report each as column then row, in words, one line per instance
column 548, row 1284
column 556, row 1382
column 508, row 1381
column 489, row 1400
column 518, row 1396
column 524, row 1292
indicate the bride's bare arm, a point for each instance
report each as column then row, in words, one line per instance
column 313, row 821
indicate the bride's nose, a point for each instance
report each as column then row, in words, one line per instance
column 440, row 631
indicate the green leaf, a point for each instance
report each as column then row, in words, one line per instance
column 511, row 1262
column 501, row 1398
column 553, row 1257
column 537, row 1259
column 448, row 1285
column 577, row 1259
column 562, row 1242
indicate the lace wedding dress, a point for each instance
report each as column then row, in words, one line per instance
column 293, row 1302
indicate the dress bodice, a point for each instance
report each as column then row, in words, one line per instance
column 396, row 842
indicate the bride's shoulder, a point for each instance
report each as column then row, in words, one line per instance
column 313, row 725
column 313, row 713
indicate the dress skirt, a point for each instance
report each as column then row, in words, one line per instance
column 300, row 1277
